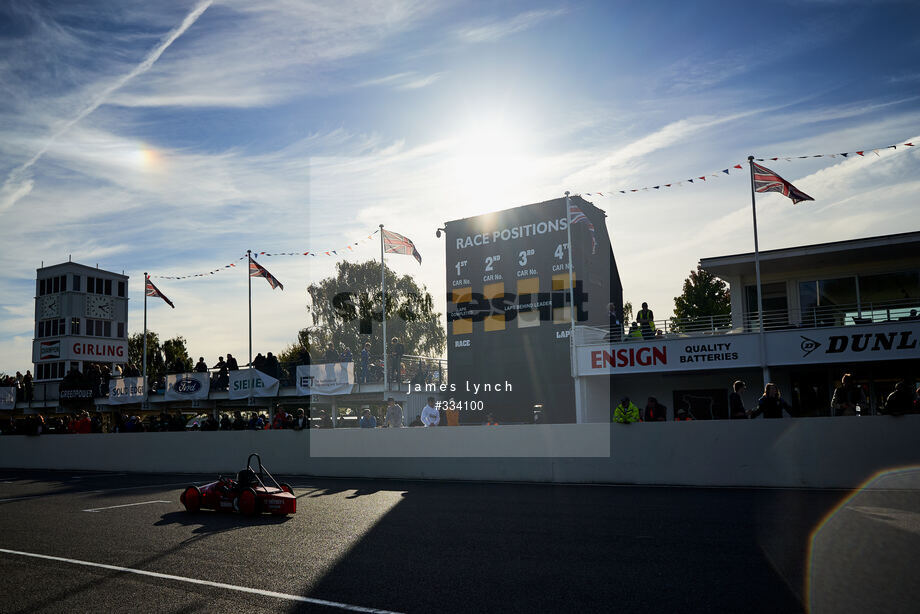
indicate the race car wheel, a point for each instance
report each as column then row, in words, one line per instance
column 247, row 502
column 191, row 498
column 287, row 488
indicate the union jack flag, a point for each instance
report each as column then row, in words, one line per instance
column 766, row 180
column 577, row 216
column 257, row 270
column 152, row 290
column 395, row 243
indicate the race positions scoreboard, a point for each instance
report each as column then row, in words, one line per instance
column 509, row 302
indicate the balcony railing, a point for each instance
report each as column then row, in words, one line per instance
column 863, row 314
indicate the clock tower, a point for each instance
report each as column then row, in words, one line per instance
column 81, row 317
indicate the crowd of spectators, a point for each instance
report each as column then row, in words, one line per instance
column 22, row 384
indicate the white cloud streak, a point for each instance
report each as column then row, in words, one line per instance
column 18, row 184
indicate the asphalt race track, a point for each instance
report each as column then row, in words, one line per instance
column 83, row 542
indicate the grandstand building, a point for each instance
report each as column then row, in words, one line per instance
column 828, row 309
column 81, row 317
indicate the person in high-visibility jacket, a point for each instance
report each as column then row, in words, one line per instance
column 626, row 412
column 646, row 320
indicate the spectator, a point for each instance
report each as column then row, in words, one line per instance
column 849, row 399
column 346, row 354
column 83, row 425
column 280, row 419
column 397, row 350
column 451, row 413
column 682, row 415
column 331, row 355
column 258, row 363
column 222, row 381
column 654, row 411
column 736, row 403
column 365, row 362
column 490, row 420
column 231, row 363
column 616, row 324
column 430, row 416
column 394, row 415
column 201, row 366
column 272, row 366
column 634, row 332
column 646, row 320
column 771, row 404
column 901, row 401
column 626, row 412
column 416, row 422
column 368, row 421
column 299, row 422
column 27, row 385
column 325, row 422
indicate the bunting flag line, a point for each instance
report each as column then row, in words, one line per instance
column 578, row 216
column 152, row 290
column 218, row 270
column 256, row 254
column 739, row 167
column 257, row 270
column 766, row 180
column 395, row 243
column 328, row 252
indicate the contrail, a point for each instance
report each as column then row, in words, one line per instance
column 18, row 184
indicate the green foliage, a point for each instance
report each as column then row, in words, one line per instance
column 339, row 304
column 704, row 295
column 177, row 358
column 156, row 366
column 627, row 312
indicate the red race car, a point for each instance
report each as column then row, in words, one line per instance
column 248, row 493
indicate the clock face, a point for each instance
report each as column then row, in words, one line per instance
column 99, row 307
column 49, row 306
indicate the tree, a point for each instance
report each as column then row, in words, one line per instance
column 156, row 367
column 704, row 295
column 346, row 310
column 177, row 358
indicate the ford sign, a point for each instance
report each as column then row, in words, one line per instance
column 188, row 386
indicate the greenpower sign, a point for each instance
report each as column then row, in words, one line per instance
column 252, row 383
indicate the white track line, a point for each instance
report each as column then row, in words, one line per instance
column 95, row 475
column 242, row 589
column 112, row 507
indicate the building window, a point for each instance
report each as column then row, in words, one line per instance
column 51, row 328
column 98, row 328
column 74, row 326
column 108, row 287
column 121, row 288
column 121, row 330
column 49, row 370
column 52, row 285
column 76, row 283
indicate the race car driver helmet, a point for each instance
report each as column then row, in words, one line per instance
column 246, row 477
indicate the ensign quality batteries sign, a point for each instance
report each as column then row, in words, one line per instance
column 687, row 354
column 795, row 347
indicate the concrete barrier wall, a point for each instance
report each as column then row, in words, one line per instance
column 805, row 452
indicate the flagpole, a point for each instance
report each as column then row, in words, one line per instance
column 249, row 277
column 383, row 294
column 574, row 371
column 763, row 347
column 568, row 219
column 145, row 339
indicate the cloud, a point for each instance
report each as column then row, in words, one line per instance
column 17, row 184
column 499, row 29
column 403, row 81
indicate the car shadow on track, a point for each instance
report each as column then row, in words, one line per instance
column 207, row 521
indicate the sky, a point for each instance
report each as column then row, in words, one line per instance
column 172, row 136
